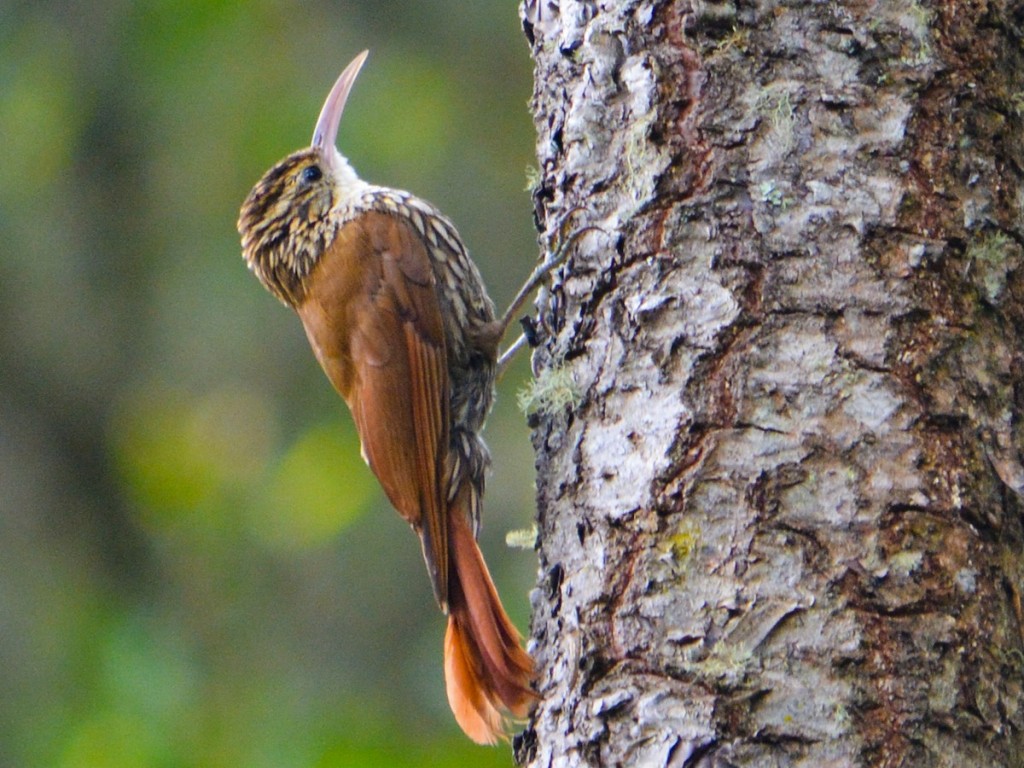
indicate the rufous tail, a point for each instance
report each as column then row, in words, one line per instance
column 487, row 672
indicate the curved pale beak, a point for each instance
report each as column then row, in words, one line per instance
column 326, row 132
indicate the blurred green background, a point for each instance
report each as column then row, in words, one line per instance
column 196, row 568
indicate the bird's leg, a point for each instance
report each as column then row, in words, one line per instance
column 509, row 354
column 536, row 277
column 542, row 270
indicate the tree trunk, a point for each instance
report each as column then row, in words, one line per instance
column 778, row 399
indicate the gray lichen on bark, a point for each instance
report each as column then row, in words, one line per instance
column 782, row 525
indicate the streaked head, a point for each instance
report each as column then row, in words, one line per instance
column 285, row 221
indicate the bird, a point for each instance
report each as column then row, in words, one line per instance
column 399, row 319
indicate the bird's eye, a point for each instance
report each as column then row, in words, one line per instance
column 311, row 173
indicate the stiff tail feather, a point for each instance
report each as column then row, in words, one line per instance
column 487, row 673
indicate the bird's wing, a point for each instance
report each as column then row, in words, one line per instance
column 372, row 314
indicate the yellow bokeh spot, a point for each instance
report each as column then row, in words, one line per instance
column 111, row 740
column 181, row 455
column 319, row 486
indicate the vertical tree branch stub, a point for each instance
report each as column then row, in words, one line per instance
column 769, row 531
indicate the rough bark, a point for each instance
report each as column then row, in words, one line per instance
column 780, row 393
